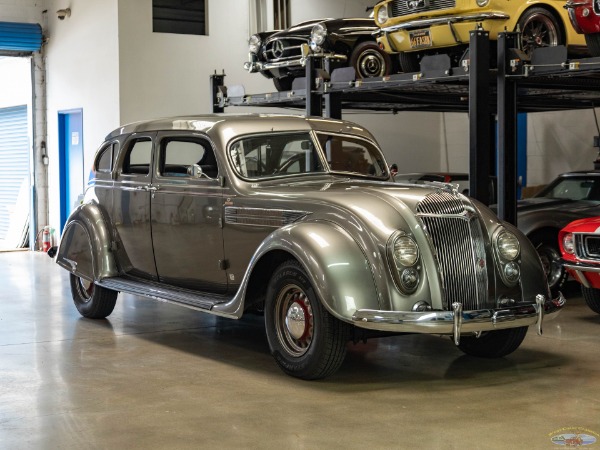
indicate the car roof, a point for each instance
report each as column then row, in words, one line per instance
column 236, row 124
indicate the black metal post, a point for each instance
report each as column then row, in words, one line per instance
column 507, row 131
column 216, row 81
column 479, row 115
column 333, row 101
column 314, row 103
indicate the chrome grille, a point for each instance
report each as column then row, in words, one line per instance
column 405, row 7
column 457, row 237
column 282, row 49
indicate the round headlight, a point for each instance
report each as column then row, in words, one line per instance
column 254, row 44
column 569, row 243
column 409, row 279
column 382, row 15
column 482, row 3
column 318, row 34
column 508, row 245
column 405, row 251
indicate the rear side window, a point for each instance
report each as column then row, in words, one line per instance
column 178, row 155
column 138, row 157
column 105, row 158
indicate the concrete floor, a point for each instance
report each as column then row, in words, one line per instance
column 156, row 375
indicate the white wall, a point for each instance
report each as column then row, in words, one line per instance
column 15, row 79
column 28, row 11
column 82, row 68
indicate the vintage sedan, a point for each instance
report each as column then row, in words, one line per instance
column 416, row 28
column 585, row 18
column 580, row 246
column 297, row 218
column 281, row 55
column 570, row 196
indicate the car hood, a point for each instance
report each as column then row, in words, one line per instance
column 591, row 225
column 333, row 26
column 539, row 203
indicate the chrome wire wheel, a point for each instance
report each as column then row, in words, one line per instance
column 294, row 320
column 551, row 263
column 539, row 29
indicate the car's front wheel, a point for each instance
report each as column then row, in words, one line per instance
column 92, row 301
column 546, row 245
column 592, row 298
column 493, row 344
column 539, row 28
column 306, row 341
column 370, row 61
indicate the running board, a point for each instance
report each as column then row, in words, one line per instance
column 196, row 300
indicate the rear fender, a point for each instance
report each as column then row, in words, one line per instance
column 85, row 247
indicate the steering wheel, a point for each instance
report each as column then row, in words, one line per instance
column 288, row 162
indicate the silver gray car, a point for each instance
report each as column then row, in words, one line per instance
column 297, row 218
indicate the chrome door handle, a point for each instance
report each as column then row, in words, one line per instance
column 152, row 188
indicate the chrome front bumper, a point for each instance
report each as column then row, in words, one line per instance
column 258, row 66
column 579, row 268
column 459, row 322
column 445, row 20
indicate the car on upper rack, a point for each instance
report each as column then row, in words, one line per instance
column 414, row 28
column 297, row 218
column 281, row 55
column 580, row 247
column 585, row 19
column 570, row 196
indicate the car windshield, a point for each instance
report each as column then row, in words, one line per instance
column 573, row 188
column 285, row 154
column 351, row 155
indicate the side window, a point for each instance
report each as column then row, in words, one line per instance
column 180, row 154
column 138, row 157
column 104, row 159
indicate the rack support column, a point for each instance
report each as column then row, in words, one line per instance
column 216, row 81
column 479, row 115
column 507, row 132
column 314, row 102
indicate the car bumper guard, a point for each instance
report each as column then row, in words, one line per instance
column 457, row 321
column 258, row 66
column 578, row 270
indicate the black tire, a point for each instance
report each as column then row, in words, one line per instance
column 409, row 62
column 370, row 61
column 546, row 245
column 91, row 300
column 493, row 344
column 312, row 347
column 539, row 28
column 283, row 84
column 592, row 298
column 593, row 43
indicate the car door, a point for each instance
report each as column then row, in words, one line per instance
column 131, row 207
column 187, row 214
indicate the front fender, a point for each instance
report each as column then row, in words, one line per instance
column 85, row 247
column 335, row 264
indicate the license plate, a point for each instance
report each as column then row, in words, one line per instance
column 419, row 38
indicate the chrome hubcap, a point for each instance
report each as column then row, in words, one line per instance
column 294, row 320
column 371, row 64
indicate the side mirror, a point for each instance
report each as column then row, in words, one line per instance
column 195, row 171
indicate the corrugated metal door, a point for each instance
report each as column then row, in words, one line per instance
column 14, row 161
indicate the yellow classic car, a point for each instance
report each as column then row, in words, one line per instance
column 413, row 28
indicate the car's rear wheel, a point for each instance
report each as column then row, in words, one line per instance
column 546, row 245
column 306, row 341
column 493, row 344
column 283, row 84
column 592, row 298
column 539, row 28
column 92, row 301
column 370, row 61
column 593, row 43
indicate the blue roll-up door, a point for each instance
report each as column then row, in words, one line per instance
column 20, row 37
column 14, row 163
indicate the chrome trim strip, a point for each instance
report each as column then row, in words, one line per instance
column 258, row 66
column 424, row 23
column 444, row 322
column 261, row 216
column 579, row 269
